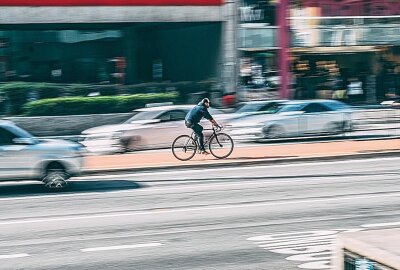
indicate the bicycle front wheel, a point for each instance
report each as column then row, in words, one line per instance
column 184, row 147
column 221, row 145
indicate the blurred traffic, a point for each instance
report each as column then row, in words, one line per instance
column 148, row 128
column 157, row 125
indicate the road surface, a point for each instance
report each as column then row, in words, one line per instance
column 258, row 217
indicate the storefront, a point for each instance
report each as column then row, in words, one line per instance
column 332, row 72
column 111, row 53
column 118, row 41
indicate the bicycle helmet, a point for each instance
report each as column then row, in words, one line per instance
column 205, row 100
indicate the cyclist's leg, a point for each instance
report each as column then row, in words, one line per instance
column 198, row 129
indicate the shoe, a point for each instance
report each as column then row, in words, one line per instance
column 204, row 152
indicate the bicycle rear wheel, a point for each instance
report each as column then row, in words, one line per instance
column 221, row 145
column 184, row 147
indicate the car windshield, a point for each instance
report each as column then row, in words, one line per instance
column 336, row 105
column 250, row 107
column 143, row 115
column 269, row 107
column 21, row 133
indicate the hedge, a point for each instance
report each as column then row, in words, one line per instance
column 19, row 93
column 94, row 105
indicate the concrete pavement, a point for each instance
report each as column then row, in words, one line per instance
column 245, row 155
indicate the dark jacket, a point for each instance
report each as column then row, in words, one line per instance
column 197, row 113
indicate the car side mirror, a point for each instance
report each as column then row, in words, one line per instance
column 24, row 141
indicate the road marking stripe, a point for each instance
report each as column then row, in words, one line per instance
column 12, row 256
column 380, row 225
column 121, row 247
column 351, row 197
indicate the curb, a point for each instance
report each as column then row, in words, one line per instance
column 184, row 165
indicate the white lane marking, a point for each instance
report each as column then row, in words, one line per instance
column 389, row 224
column 238, row 167
column 121, row 247
column 183, row 188
column 13, row 256
column 199, row 208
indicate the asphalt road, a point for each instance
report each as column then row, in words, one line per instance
column 260, row 217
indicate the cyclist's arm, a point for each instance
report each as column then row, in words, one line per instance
column 208, row 116
column 215, row 124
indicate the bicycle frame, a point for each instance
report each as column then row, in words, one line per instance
column 208, row 140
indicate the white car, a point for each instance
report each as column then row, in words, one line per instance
column 295, row 119
column 149, row 128
column 24, row 157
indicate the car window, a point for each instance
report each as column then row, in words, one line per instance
column 250, row 107
column 337, row 105
column 290, row 108
column 165, row 116
column 143, row 115
column 6, row 137
column 177, row 115
column 315, row 108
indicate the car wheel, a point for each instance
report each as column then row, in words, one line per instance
column 274, row 132
column 132, row 144
column 55, row 177
column 335, row 128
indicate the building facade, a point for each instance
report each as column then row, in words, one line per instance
column 118, row 41
column 334, row 44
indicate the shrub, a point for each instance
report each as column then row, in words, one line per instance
column 94, row 105
column 20, row 93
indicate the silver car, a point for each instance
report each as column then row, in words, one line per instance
column 149, row 128
column 295, row 119
column 24, row 157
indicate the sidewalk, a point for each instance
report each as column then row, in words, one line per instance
column 147, row 160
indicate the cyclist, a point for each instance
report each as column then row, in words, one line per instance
column 193, row 118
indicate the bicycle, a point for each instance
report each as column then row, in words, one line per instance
column 220, row 144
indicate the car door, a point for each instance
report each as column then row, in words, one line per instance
column 171, row 125
column 315, row 118
column 15, row 161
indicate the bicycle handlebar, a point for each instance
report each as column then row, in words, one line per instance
column 218, row 128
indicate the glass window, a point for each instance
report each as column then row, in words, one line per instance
column 178, row 115
column 250, row 107
column 143, row 115
column 315, row 108
column 6, row 137
column 337, row 105
column 165, row 117
column 291, row 108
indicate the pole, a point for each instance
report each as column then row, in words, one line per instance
column 283, row 44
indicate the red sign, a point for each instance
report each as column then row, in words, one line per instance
column 111, row 2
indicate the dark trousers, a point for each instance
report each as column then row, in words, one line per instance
column 198, row 130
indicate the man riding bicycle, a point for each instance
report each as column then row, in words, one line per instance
column 193, row 118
